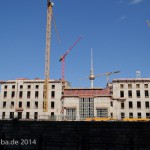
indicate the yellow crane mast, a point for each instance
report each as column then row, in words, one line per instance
column 47, row 55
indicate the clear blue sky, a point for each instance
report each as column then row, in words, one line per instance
column 115, row 29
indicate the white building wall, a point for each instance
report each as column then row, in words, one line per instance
column 101, row 102
column 117, row 87
column 55, row 86
column 71, row 102
column 113, row 105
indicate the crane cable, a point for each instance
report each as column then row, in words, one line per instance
column 56, row 30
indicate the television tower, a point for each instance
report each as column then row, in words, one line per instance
column 92, row 77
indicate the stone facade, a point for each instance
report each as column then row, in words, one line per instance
column 133, row 97
column 123, row 98
column 86, row 103
column 23, row 98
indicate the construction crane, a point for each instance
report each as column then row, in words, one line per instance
column 47, row 55
column 107, row 74
column 92, row 76
column 62, row 59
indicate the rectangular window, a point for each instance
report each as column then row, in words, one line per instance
column 20, row 104
column 27, row 115
column 11, row 115
column 130, row 115
column 36, row 105
column 111, row 114
column 3, row 115
column 28, row 105
column 52, row 117
column 19, row 115
column 111, row 104
column 36, row 94
column 5, row 94
column 37, row 86
column 121, row 93
column 129, row 86
column 139, row 115
column 4, row 104
column 13, row 86
column 12, row 94
column 146, row 94
column 52, row 113
column 86, row 107
column 28, row 94
column 53, row 86
column 147, row 115
column 29, row 86
column 35, row 115
column 130, row 105
column 121, row 86
column 102, row 112
column 122, row 115
column 138, row 105
column 145, row 85
column 20, row 94
column 5, row 87
column 70, row 113
column 52, row 94
column 122, row 105
column 147, row 105
column 12, row 105
column 21, row 86
column 137, row 86
column 130, row 94
column 138, row 93
column 52, row 105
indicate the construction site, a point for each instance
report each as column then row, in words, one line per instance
column 51, row 114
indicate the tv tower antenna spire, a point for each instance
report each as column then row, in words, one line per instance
column 92, row 77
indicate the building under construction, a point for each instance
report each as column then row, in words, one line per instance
column 55, row 100
column 43, row 114
column 122, row 99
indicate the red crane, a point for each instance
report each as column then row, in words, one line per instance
column 62, row 59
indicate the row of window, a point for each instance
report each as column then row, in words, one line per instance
column 130, row 104
column 28, row 105
column 28, row 87
column 138, row 94
column 103, row 113
column 27, row 116
column 71, row 113
column 139, row 115
column 130, row 86
column 28, row 94
column 86, row 107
